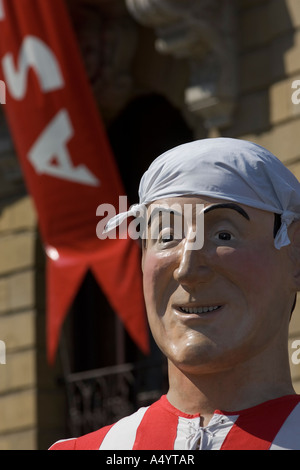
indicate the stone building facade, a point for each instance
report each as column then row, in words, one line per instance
column 162, row 72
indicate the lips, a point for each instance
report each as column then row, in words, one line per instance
column 199, row 310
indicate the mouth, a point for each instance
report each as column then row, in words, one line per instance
column 199, row 310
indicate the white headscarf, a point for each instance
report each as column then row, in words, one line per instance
column 224, row 168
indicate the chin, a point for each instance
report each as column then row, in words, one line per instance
column 200, row 359
column 196, row 357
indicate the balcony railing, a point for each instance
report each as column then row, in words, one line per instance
column 102, row 396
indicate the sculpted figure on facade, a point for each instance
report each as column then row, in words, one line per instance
column 203, row 32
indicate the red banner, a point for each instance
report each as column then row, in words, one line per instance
column 67, row 163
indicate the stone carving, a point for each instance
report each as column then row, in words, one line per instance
column 107, row 36
column 203, row 32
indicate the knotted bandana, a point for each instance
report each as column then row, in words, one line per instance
column 224, row 168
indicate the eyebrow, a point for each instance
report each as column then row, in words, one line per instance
column 229, row 205
column 159, row 209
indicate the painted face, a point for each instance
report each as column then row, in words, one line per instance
column 224, row 303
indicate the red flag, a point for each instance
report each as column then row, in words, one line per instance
column 67, row 163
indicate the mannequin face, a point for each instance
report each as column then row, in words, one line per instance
column 212, row 308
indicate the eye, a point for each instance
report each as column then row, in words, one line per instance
column 225, row 236
column 166, row 238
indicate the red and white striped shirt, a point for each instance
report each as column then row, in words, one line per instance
column 273, row 425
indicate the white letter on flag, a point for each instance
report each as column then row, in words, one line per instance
column 36, row 54
column 50, row 145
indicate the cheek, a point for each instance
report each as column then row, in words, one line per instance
column 157, row 278
column 157, row 274
column 149, row 274
column 249, row 269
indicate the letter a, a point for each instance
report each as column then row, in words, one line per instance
column 51, row 144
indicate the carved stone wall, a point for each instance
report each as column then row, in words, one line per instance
column 107, row 37
column 204, row 33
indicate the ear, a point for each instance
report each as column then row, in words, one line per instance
column 294, row 252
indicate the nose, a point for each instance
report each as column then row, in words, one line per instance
column 194, row 267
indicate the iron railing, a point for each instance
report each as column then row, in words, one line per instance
column 102, row 396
